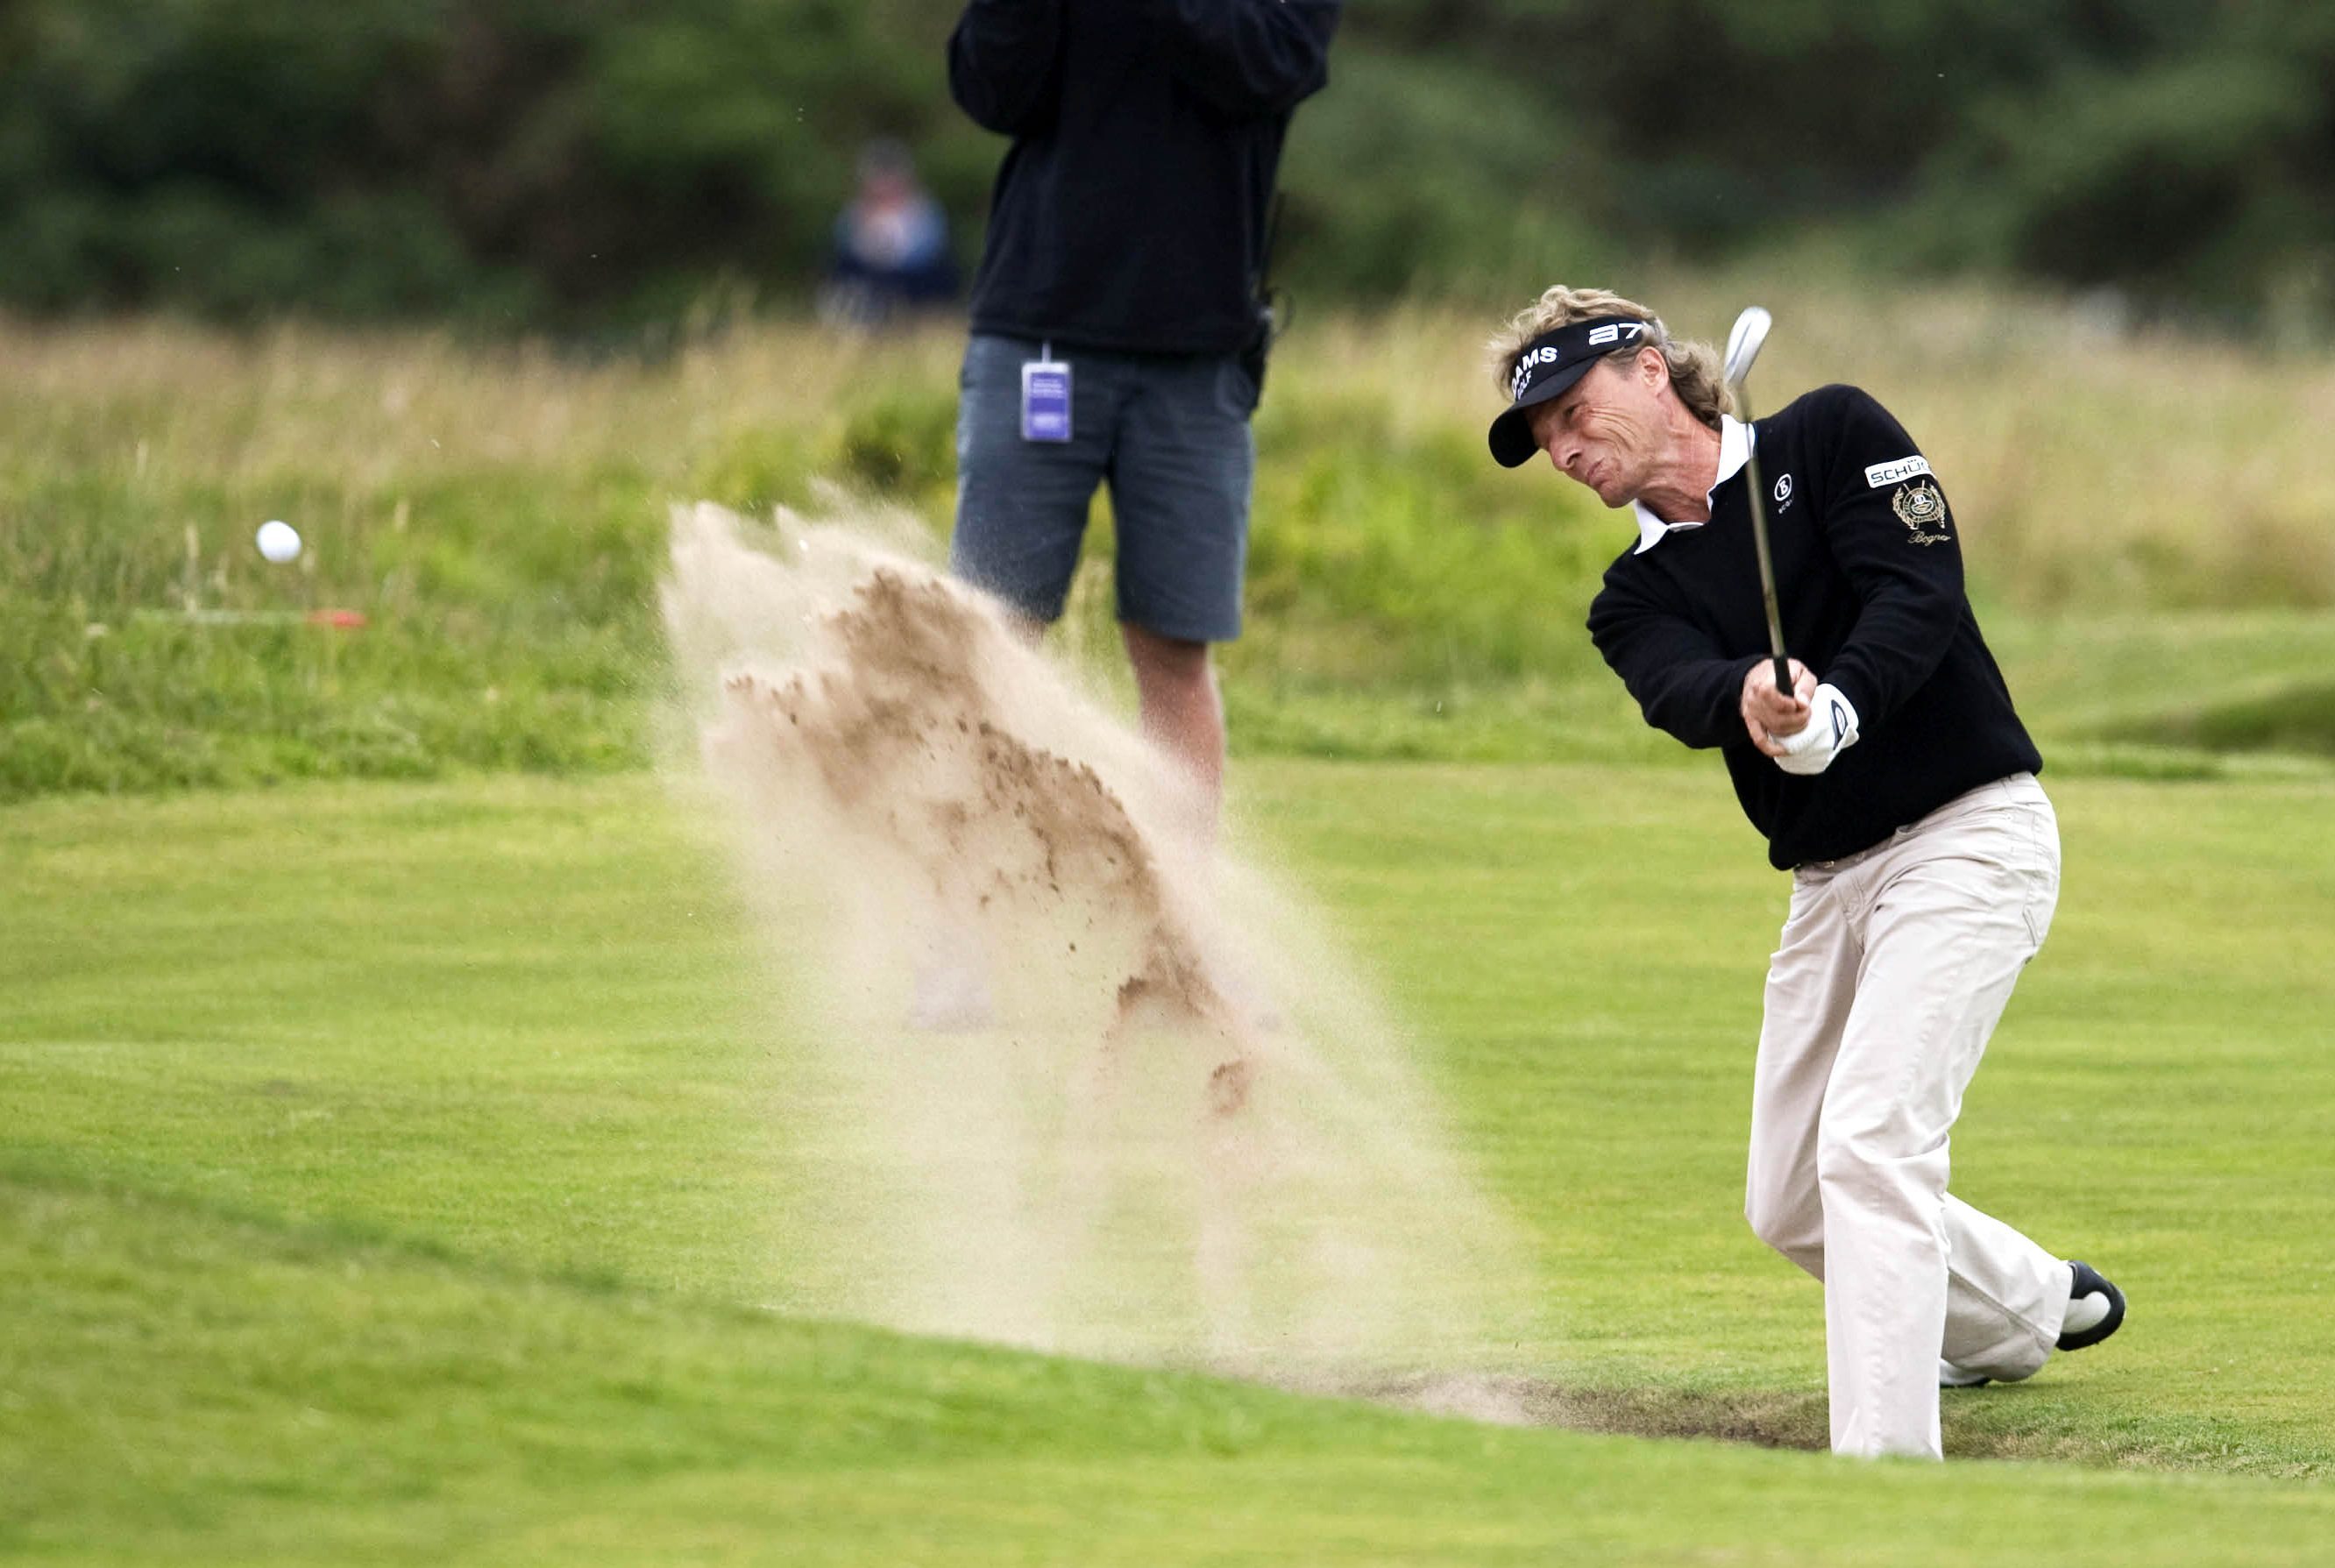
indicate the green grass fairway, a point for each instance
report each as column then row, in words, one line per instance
column 394, row 1174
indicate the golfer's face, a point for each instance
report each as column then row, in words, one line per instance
column 1601, row 433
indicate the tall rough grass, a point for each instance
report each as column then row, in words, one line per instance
column 497, row 515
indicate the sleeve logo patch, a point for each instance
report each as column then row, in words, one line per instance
column 1896, row 473
column 1923, row 511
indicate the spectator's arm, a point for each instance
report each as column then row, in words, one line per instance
column 1246, row 57
column 1002, row 63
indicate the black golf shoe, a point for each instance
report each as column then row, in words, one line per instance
column 2095, row 1308
column 2095, row 1311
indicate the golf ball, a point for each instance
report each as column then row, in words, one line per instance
column 279, row 542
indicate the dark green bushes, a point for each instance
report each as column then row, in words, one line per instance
column 603, row 165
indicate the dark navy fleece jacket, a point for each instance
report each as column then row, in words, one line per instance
column 1130, row 211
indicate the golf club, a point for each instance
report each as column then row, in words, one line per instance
column 1743, row 345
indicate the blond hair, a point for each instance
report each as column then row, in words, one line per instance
column 1694, row 367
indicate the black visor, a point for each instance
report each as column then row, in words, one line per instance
column 1548, row 365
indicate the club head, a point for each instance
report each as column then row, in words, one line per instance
column 1744, row 342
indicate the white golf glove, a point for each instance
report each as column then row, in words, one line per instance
column 1831, row 729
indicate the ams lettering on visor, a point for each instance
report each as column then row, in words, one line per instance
column 1609, row 335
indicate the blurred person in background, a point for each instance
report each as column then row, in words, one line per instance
column 1893, row 780
column 1118, row 325
column 891, row 245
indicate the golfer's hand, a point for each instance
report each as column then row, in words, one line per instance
column 1831, row 729
column 1768, row 713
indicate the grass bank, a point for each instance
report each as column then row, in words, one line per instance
column 495, row 515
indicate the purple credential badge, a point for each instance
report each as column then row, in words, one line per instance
column 1045, row 401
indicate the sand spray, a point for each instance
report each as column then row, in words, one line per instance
column 1064, row 1066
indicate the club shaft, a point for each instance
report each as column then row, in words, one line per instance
column 1759, row 547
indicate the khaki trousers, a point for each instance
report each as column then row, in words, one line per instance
column 1893, row 966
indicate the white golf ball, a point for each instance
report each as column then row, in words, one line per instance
column 279, row 542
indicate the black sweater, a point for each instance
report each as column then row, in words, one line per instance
column 1869, row 584
column 1130, row 210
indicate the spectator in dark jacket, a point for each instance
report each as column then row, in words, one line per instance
column 1117, row 317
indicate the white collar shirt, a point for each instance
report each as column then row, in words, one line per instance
column 1735, row 442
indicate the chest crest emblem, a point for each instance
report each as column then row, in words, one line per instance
column 1923, row 511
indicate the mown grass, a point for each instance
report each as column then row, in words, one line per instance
column 394, row 1172
column 298, row 1396
column 497, row 514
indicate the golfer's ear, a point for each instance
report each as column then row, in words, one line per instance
column 1653, row 369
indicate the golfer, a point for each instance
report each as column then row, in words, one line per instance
column 1897, row 784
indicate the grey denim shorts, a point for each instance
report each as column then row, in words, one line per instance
column 1168, row 433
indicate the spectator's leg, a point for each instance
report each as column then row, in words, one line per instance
column 1176, row 686
column 1022, row 504
column 1021, row 509
column 1179, row 491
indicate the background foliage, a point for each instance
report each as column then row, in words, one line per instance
column 578, row 164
